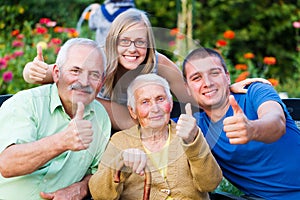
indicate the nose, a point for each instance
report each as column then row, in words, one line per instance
column 132, row 47
column 206, row 80
column 155, row 107
column 83, row 78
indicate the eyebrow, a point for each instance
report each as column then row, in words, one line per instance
column 211, row 69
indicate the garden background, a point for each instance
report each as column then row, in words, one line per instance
column 258, row 38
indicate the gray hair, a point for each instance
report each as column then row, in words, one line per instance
column 143, row 80
column 63, row 52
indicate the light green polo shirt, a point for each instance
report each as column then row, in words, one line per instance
column 34, row 114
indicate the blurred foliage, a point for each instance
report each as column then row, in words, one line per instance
column 263, row 27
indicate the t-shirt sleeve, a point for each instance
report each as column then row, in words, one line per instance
column 18, row 124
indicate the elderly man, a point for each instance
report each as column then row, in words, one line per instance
column 53, row 136
column 177, row 155
column 252, row 135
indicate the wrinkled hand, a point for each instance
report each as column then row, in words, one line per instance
column 79, row 133
column 237, row 126
column 186, row 127
column 239, row 86
column 38, row 68
column 135, row 159
column 68, row 193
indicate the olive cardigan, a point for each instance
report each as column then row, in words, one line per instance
column 192, row 170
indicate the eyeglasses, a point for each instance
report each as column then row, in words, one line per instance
column 137, row 43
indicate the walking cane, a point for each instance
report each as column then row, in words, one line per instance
column 147, row 182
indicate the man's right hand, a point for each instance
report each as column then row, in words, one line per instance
column 79, row 133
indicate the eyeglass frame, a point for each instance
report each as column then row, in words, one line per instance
column 134, row 43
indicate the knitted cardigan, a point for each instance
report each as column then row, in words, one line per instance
column 192, row 170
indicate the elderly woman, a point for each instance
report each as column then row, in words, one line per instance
column 176, row 155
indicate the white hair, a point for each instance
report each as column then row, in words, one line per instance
column 143, row 80
column 63, row 52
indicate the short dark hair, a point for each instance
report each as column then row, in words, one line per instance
column 202, row 53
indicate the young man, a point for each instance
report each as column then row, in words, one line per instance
column 252, row 135
column 53, row 136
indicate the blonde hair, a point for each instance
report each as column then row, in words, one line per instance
column 122, row 23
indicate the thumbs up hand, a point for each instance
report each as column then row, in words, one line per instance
column 79, row 133
column 186, row 127
column 38, row 68
column 237, row 127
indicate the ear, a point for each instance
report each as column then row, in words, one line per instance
column 132, row 113
column 55, row 73
column 228, row 78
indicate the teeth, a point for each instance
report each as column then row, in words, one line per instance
column 131, row 58
column 209, row 93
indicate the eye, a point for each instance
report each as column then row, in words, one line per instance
column 124, row 42
column 75, row 71
column 144, row 102
column 140, row 43
column 160, row 99
column 95, row 76
column 215, row 72
column 196, row 78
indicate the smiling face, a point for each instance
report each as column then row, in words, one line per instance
column 208, row 82
column 152, row 106
column 80, row 77
column 131, row 57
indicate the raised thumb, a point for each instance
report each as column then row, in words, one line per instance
column 39, row 51
column 80, row 111
column 188, row 109
column 235, row 106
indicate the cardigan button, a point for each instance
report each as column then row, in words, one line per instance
column 167, row 191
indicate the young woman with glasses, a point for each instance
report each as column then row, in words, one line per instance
column 130, row 51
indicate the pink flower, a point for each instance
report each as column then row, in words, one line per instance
column 51, row 23
column 3, row 63
column 17, row 43
column 7, row 76
column 20, row 36
column 18, row 53
column 296, row 24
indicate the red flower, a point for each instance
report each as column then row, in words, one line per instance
column 270, row 60
column 221, row 43
column 174, row 31
column 44, row 20
column 249, row 55
column 41, row 30
column 7, row 76
column 241, row 67
column 180, row 36
column 273, row 81
column 72, row 33
column 242, row 76
column 58, row 29
column 229, row 34
column 56, row 41
column 15, row 32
